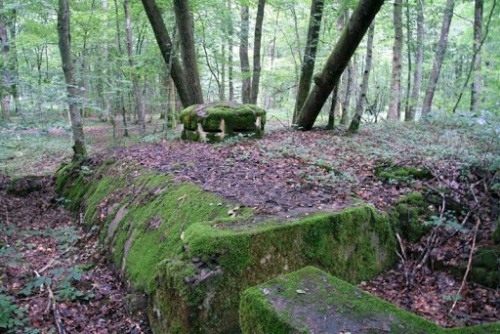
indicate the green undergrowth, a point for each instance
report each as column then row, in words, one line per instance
column 194, row 252
column 408, row 217
column 392, row 173
column 312, row 301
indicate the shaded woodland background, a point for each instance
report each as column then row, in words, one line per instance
column 115, row 52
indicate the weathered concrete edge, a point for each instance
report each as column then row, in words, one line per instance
column 259, row 315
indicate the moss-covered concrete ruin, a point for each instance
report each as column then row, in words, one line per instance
column 312, row 301
column 194, row 253
column 216, row 121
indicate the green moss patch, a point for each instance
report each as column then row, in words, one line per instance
column 408, row 216
column 194, row 253
column 393, row 173
column 312, row 301
column 213, row 122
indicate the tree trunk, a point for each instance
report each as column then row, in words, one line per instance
column 167, row 50
column 419, row 61
column 306, row 75
column 438, row 58
column 360, row 103
column 346, row 100
column 185, row 26
column 63, row 29
column 5, row 69
column 476, row 84
column 138, row 96
column 395, row 104
column 230, row 33
column 333, row 106
column 351, row 36
column 256, row 52
column 245, row 63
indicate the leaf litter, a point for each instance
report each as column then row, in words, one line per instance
column 285, row 174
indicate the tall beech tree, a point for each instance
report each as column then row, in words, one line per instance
column 7, row 68
column 438, row 57
column 186, row 94
column 257, row 42
column 251, row 79
column 395, row 103
column 185, row 27
column 360, row 103
column 139, row 101
column 246, row 79
column 419, row 62
column 63, row 30
column 309, row 60
column 476, row 57
column 328, row 78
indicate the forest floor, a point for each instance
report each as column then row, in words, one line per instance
column 285, row 174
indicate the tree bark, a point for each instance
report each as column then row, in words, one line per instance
column 167, row 50
column 438, row 58
column 230, row 33
column 185, row 26
column 476, row 83
column 307, row 72
column 346, row 99
column 5, row 68
column 360, row 103
column 419, row 61
column 63, row 29
column 349, row 40
column 257, row 51
column 395, row 104
column 244, row 62
column 139, row 101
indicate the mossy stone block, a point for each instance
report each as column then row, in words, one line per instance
column 200, row 291
column 215, row 121
column 174, row 242
column 311, row 301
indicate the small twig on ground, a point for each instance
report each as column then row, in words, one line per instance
column 55, row 307
column 53, row 260
column 469, row 264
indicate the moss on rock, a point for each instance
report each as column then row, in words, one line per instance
column 213, row 122
column 175, row 242
column 312, row 301
column 407, row 216
column 390, row 172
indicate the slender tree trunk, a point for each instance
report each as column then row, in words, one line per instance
column 257, row 51
column 222, row 91
column 15, row 62
column 419, row 61
column 395, row 104
column 476, row 84
column 63, row 29
column 409, row 42
column 351, row 36
column 138, row 96
column 306, row 75
column 360, row 103
column 167, row 50
column 333, row 106
column 346, row 100
column 438, row 58
column 230, row 33
column 185, row 26
column 245, row 63
column 5, row 69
